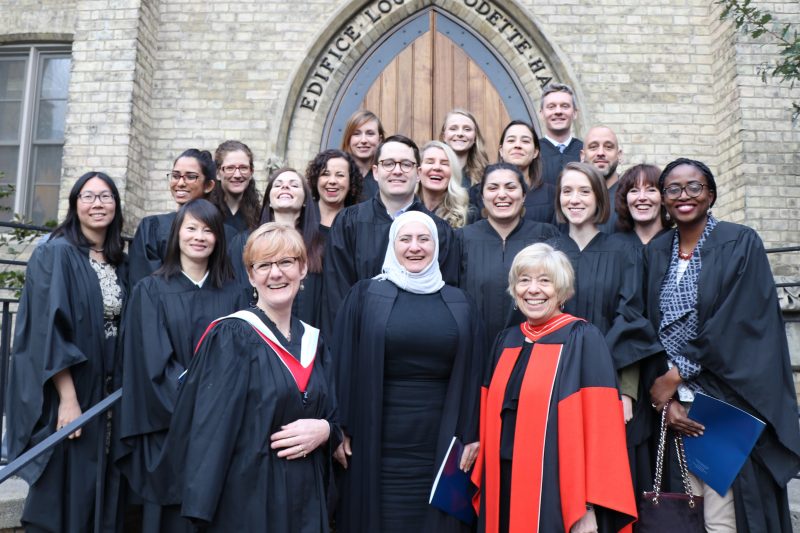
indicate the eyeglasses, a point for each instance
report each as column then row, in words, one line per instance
column 389, row 164
column 693, row 190
column 283, row 265
column 88, row 198
column 230, row 170
column 189, row 177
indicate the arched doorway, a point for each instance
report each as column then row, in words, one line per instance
column 427, row 65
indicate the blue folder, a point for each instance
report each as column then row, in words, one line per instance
column 452, row 489
column 718, row 454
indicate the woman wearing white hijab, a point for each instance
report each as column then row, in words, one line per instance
column 408, row 352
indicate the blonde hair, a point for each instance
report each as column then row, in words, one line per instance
column 455, row 206
column 554, row 263
column 476, row 157
column 274, row 240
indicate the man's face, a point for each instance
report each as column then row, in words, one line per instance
column 601, row 149
column 558, row 113
column 393, row 181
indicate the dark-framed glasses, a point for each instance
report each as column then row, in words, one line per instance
column 88, row 198
column 189, row 177
column 230, row 170
column 389, row 164
column 693, row 190
column 283, row 264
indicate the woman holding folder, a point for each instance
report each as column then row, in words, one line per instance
column 408, row 351
column 552, row 448
column 711, row 297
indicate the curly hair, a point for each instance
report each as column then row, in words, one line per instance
column 318, row 165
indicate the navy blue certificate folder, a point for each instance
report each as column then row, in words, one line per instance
column 452, row 489
column 719, row 453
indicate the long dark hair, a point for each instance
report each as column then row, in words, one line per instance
column 220, row 270
column 249, row 206
column 307, row 224
column 318, row 165
column 207, row 165
column 535, row 168
column 70, row 229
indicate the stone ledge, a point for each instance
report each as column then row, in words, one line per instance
column 12, row 498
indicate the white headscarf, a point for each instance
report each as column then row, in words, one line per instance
column 430, row 279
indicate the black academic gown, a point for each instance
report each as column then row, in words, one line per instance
column 59, row 326
column 741, row 345
column 356, row 248
column 610, row 226
column 553, row 415
column 163, row 323
column 485, row 262
column 359, row 347
column 236, row 394
column 539, row 203
column 369, row 187
column 149, row 246
column 236, row 222
column 553, row 161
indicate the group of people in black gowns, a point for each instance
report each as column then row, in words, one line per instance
column 303, row 360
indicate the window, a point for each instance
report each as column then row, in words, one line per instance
column 33, row 104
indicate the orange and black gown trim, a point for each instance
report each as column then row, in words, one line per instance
column 551, row 417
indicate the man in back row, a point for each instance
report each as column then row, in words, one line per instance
column 558, row 111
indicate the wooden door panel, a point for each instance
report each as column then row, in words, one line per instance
column 426, row 80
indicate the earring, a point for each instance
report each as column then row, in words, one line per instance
column 710, row 213
column 255, row 295
column 302, row 287
column 515, row 306
column 522, row 213
column 484, row 213
column 668, row 217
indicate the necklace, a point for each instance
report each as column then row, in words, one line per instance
column 685, row 256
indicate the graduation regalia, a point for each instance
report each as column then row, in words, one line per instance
column 552, row 433
column 356, row 247
column 149, row 246
column 360, row 348
column 369, row 187
column 239, row 390
column 163, row 323
column 485, row 262
column 742, row 348
column 553, row 161
column 59, row 325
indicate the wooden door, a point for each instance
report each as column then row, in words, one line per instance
column 427, row 79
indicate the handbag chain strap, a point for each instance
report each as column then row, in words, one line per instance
column 662, row 444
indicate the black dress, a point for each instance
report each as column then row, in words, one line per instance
column 403, row 394
column 415, row 376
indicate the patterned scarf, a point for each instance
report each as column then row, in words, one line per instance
column 678, row 305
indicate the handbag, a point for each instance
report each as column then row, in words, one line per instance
column 662, row 512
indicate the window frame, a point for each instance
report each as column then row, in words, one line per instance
column 34, row 55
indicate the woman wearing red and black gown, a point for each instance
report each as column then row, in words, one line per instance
column 552, row 449
column 408, row 354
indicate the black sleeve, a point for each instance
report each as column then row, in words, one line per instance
column 143, row 251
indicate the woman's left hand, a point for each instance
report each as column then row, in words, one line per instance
column 586, row 524
column 627, row 407
column 469, row 455
column 664, row 388
column 301, row 437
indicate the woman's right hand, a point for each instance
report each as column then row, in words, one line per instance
column 678, row 421
column 343, row 451
column 68, row 410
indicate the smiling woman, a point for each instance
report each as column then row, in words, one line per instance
column 65, row 355
column 408, row 373
column 439, row 185
column 192, row 176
